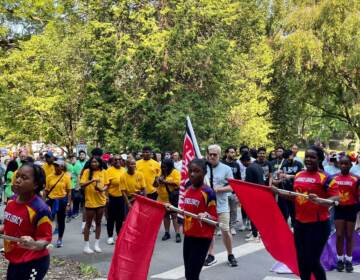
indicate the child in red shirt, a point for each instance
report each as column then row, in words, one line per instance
column 27, row 217
column 201, row 200
column 345, row 213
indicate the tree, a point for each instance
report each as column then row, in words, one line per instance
column 44, row 86
column 317, row 64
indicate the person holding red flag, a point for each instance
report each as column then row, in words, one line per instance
column 201, row 200
column 312, row 227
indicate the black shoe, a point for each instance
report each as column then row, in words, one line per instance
column 348, row 266
column 166, row 236
column 232, row 261
column 210, row 260
column 340, row 265
column 178, row 238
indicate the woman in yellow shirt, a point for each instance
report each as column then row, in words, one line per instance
column 116, row 207
column 58, row 193
column 168, row 190
column 133, row 180
column 94, row 182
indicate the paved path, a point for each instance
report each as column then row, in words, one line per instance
column 254, row 261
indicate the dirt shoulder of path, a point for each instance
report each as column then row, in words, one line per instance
column 62, row 268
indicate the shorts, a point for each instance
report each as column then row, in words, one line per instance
column 346, row 212
column 224, row 219
column 35, row 269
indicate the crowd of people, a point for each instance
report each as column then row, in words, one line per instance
column 49, row 191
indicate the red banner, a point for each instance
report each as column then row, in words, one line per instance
column 135, row 244
column 190, row 152
column 260, row 205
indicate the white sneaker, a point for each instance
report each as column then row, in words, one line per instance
column 218, row 233
column 87, row 250
column 233, row 231
column 110, row 241
column 253, row 239
column 249, row 235
column 242, row 228
column 97, row 248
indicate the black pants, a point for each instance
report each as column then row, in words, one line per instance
column 60, row 214
column 152, row 196
column 254, row 230
column 194, row 253
column 34, row 270
column 310, row 239
column 116, row 214
column 76, row 198
column 287, row 208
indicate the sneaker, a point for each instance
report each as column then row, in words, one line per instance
column 218, row 233
column 348, row 266
column 178, row 238
column 233, row 231
column 97, row 248
column 340, row 265
column 87, row 250
column 166, row 236
column 253, row 239
column 242, row 228
column 249, row 235
column 210, row 260
column 68, row 219
column 232, row 261
column 110, row 241
column 59, row 243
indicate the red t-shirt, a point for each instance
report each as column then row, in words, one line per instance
column 26, row 219
column 348, row 186
column 199, row 201
column 317, row 183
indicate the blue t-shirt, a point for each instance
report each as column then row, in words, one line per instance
column 221, row 173
column 331, row 169
column 355, row 170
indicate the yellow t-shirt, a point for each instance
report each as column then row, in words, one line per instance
column 150, row 169
column 133, row 183
column 48, row 169
column 174, row 177
column 113, row 176
column 61, row 188
column 94, row 198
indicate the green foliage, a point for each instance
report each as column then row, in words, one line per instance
column 122, row 74
column 316, row 71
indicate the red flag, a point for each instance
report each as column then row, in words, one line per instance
column 190, row 151
column 135, row 245
column 262, row 209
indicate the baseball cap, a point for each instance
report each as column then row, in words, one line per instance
column 59, row 162
column 49, row 154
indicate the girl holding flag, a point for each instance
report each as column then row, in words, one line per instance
column 201, row 200
column 27, row 217
column 312, row 226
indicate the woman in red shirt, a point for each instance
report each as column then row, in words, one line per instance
column 312, row 226
column 345, row 213
column 201, row 200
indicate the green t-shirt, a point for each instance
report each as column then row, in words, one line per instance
column 8, row 191
column 74, row 171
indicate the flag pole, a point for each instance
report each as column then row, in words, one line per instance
column 190, row 214
column 19, row 240
column 294, row 194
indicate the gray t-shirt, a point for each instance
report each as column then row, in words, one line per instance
column 221, row 173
